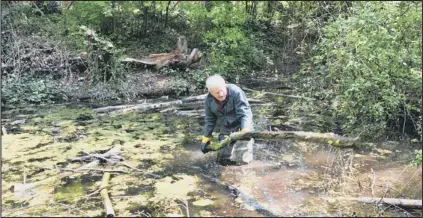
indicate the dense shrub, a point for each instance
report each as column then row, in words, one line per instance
column 367, row 69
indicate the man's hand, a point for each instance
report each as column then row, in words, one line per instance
column 204, row 143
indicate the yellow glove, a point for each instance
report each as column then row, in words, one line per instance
column 205, row 139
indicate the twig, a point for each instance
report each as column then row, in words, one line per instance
column 185, row 205
column 97, row 191
column 24, row 176
column 93, row 169
column 373, row 182
column 413, row 176
column 402, row 195
column 129, row 166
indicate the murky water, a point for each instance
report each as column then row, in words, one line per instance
column 285, row 178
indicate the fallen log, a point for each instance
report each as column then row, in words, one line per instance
column 177, row 58
column 108, row 207
column 112, row 108
column 325, row 138
column 245, row 197
column 193, row 102
column 405, row 203
column 197, row 110
column 276, row 94
column 145, row 107
column 195, row 98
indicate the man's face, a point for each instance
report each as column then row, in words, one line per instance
column 219, row 92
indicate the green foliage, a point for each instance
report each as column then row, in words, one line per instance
column 31, row 91
column 231, row 50
column 418, row 159
column 187, row 81
column 25, row 20
column 180, row 87
column 367, row 67
column 88, row 13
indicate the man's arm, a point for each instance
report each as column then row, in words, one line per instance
column 243, row 111
column 210, row 120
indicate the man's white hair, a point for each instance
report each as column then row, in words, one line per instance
column 215, row 81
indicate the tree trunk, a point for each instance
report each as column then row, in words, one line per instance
column 145, row 19
column 167, row 14
column 178, row 58
column 254, row 10
column 325, row 138
column 208, row 5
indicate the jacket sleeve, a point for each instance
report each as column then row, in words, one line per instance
column 210, row 119
column 243, row 111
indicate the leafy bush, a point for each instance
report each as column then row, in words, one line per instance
column 418, row 159
column 231, row 50
column 31, row 91
column 367, row 68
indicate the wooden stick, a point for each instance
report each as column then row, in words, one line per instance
column 3, row 130
column 97, row 191
column 94, row 169
column 406, row 203
column 105, row 195
column 326, row 138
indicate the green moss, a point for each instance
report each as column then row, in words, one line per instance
column 58, row 114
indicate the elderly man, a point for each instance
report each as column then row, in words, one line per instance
column 227, row 104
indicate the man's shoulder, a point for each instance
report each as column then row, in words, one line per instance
column 234, row 87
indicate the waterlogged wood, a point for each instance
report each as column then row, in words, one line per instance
column 19, row 189
column 112, row 108
column 276, row 94
column 108, row 207
column 325, row 138
column 193, row 102
column 195, row 98
column 146, row 107
column 246, row 198
column 405, row 203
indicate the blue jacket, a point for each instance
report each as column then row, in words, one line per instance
column 236, row 112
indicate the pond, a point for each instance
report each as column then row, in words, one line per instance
column 286, row 178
